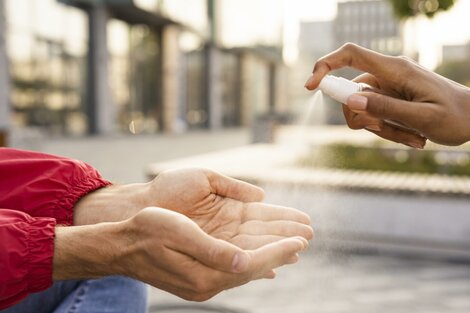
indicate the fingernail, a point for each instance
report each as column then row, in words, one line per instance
column 306, row 245
column 375, row 128
column 416, row 145
column 304, row 242
column 309, row 81
column 240, row 262
column 357, row 102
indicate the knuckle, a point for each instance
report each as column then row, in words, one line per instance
column 213, row 254
column 320, row 64
column 406, row 59
column 402, row 60
column 193, row 296
column 380, row 105
column 201, row 286
column 349, row 47
column 208, row 283
column 355, row 122
column 405, row 64
column 201, row 297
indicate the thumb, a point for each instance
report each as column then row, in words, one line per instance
column 235, row 189
column 214, row 253
column 412, row 114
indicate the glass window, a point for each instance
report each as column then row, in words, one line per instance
column 229, row 89
column 46, row 44
column 195, row 106
column 134, row 70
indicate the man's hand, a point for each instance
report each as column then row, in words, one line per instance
column 223, row 207
column 404, row 92
column 227, row 208
column 169, row 251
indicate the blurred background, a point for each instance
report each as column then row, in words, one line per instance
column 135, row 87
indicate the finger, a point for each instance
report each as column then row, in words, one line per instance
column 416, row 115
column 270, row 275
column 234, row 188
column 262, row 262
column 349, row 55
column 293, row 259
column 404, row 137
column 368, row 79
column 361, row 121
column 268, row 212
column 275, row 255
column 277, row 228
column 253, row 242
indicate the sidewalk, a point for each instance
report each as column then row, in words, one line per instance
column 327, row 282
column 123, row 159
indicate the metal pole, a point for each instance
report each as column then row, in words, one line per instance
column 101, row 110
column 213, row 71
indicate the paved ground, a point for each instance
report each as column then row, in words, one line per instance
column 124, row 158
column 324, row 281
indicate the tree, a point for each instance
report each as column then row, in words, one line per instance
column 409, row 8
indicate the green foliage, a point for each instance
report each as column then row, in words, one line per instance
column 458, row 71
column 352, row 157
column 409, row 8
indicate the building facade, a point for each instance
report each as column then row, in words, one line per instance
column 127, row 66
column 368, row 23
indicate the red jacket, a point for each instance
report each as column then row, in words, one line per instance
column 37, row 192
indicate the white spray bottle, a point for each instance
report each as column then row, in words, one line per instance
column 340, row 89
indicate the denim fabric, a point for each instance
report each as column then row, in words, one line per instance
column 113, row 294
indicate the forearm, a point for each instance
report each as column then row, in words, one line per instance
column 111, row 204
column 83, row 252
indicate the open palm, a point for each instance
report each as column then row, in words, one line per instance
column 227, row 208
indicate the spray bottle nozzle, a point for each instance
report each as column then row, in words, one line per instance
column 339, row 88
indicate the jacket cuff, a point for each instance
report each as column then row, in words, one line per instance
column 40, row 240
column 84, row 183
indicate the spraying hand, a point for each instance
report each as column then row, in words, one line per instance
column 404, row 92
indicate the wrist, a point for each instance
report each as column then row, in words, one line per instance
column 92, row 251
column 112, row 204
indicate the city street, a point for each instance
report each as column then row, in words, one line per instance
column 341, row 282
column 330, row 278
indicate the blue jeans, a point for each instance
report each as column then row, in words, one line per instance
column 114, row 294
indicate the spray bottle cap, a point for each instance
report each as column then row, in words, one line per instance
column 339, row 88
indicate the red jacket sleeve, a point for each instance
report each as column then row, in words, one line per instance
column 44, row 185
column 26, row 250
column 37, row 191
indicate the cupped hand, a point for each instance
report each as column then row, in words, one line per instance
column 169, row 251
column 402, row 91
column 226, row 208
